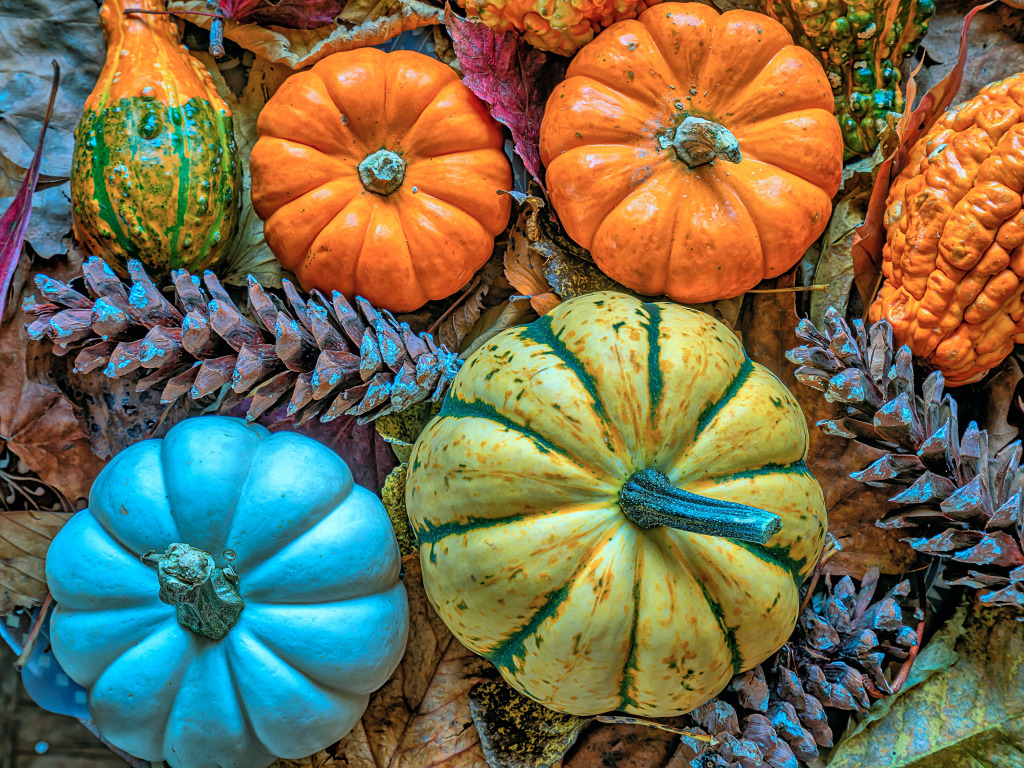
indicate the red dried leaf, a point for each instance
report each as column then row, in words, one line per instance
column 294, row 14
column 869, row 237
column 14, row 222
column 512, row 77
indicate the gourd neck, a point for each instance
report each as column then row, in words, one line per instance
column 382, row 172
column 649, row 500
column 698, row 142
column 206, row 597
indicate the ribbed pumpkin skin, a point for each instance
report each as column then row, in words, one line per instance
column 651, row 222
column 154, row 174
column 559, row 26
column 954, row 256
column 423, row 241
column 513, row 496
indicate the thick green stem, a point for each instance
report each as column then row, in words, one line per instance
column 382, row 172
column 649, row 499
column 206, row 596
column 697, row 142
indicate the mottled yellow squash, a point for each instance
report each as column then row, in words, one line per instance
column 549, row 495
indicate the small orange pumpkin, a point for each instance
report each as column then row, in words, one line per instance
column 693, row 154
column 380, row 174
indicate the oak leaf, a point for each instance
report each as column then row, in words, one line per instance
column 25, row 537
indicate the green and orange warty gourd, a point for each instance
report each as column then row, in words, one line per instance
column 693, row 154
column 954, row 257
column 598, row 507
column 382, row 175
column 154, row 174
column 559, row 26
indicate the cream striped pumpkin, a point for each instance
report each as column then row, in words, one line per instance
column 582, row 499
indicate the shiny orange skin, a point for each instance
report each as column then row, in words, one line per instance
column 423, row 241
column 650, row 221
column 954, row 256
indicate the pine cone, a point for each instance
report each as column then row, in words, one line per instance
column 960, row 501
column 776, row 714
column 327, row 358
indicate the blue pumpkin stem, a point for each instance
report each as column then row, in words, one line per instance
column 650, row 500
column 206, row 597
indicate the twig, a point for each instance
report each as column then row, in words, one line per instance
column 901, row 678
column 432, row 330
column 791, row 289
column 624, row 719
column 33, row 635
column 176, row 13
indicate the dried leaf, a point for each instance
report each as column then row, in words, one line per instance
column 12, row 175
column 869, row 237
column 39, row 423
column 14, row 221
column 967, row 716
column 624, row 746
column 505, row 316
column 834, row 269
column 767, row 328
column 40, row 31
column 524, row 264
column 421, row 716
column 24, row 539
column 512, row 77
column 517, row 732
column 295, row 14
column 458, row 324
column 298, row 48
column 393, row 496
column 572, row 276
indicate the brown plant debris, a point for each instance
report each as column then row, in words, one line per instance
column 325, row 357
column 957, row 499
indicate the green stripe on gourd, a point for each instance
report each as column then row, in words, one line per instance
column 157, row 183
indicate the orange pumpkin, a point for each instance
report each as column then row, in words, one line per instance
column 954, row 257
column 380, row 175
column 693, row 154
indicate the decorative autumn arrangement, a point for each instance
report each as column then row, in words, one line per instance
column 952, row 261
column 693, row 154
column 154, row 176
column 861, row 46
column 588, row 530
column 227, row 576
column 627, row 493
column 380, row 175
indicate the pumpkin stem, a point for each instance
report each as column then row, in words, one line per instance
column 206, row 596
column 697, row 141
column 382, row 172
column 649, row 499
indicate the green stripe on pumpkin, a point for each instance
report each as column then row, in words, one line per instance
column 728, row 632
column 541, row 332
column 713, row 409
column 455, row 407
column 97, row 166
column 507, row 653
column 427, row 533
column 655, row 381
column 628, row 684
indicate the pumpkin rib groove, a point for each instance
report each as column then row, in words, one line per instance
column 242, row 707
column 184, row 176
column 728, row 633
column 456, row 407
column 777, row 556
column 106, row 205
column 713, row 409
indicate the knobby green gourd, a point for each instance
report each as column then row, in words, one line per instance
column 613, row 507
column 228, row 597
column 154, row 174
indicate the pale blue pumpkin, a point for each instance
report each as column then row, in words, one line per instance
column 301, row 587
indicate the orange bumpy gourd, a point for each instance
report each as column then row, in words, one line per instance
column 693, row 154
column 380, row 174
column 954, row 257
column 559, row 26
